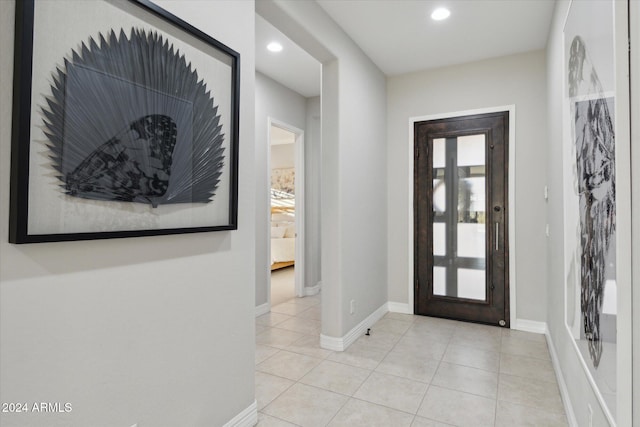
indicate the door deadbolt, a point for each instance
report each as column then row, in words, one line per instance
column 496, row 208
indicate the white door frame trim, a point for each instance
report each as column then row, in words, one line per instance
column 299, row 215
column 511, row 194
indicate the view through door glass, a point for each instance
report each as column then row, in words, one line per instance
column 460, row 218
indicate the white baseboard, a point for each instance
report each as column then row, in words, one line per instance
column 399, row 307
column 342, row 343
column 312, row 290
column 262, row 309
column 530, row 326
column 246, row 418
column 562, row 385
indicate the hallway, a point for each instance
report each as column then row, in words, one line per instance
column 411, row 371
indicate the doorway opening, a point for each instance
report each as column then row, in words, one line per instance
column 461, row 217
column 286, row 160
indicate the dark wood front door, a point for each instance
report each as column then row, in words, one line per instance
column 461, row 218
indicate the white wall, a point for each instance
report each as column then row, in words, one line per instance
column 312, row 164
column 635, row 197
column 579, row 390
column 157, row 331
column 283, row 156
column 517, row 79
column 272, row 100
column 354, row 218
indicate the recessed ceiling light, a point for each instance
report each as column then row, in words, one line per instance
column 440, row 13
column 274, row 47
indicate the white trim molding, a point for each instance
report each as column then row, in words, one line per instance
column 246, row 418
column 562, row 385
column 342, row 343
column 310, row 291
column 263, row 309
column 512, row 195
column 399, row 307
column 530, row 326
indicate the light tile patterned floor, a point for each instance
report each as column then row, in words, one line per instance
column 411, row 371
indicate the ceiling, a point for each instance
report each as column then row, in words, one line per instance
column 400, row 37
column 292, row 67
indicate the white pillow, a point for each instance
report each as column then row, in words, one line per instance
column 278, row 232
column 290, row 231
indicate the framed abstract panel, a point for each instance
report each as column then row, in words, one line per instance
column 125, row 123
column 590, row 192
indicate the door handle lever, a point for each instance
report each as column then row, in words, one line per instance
column 497, row 228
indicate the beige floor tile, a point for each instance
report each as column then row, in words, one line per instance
column 271, row 319
column 393, row 326
column 268, row 387
column 309, row 345
column 424, row 422
column 278, row 338
column 457, row 408
column 506, row 332
column 282, row 285
column 260, row 328
column 302, row 325
column 400, row 316
column 306, row 405
column 289, row 308
column 429, row 332
column 530, row 392
column 479, row 341
column 524, row 347
column 304, row 301
column 263, row 352
column 265, row 420
column 288, row 365
column 359, row 356
column 528, row 367
column 422, row 347
column 511, row 414
column 357, row 413
column 337, row 377
column 408, row 364
column 472, row 357
column 437, row 322
column 379, row 340
column 314, row 313
column 477, row 329
column 469, row 380
column 391, row 391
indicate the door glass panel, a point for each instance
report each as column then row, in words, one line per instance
column 471, row 150
column 459, row 233
column 439, row 239
column 472, row 284
column 438, row 153
column 439, row 281
column 471, row 240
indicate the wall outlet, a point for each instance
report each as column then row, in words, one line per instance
column 590, row 414
column 352, row 307
column 546, row 230
column 546, row 192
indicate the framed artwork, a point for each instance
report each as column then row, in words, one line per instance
column 125, row 123
column 590, row 192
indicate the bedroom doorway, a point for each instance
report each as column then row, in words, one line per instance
column 286, row 187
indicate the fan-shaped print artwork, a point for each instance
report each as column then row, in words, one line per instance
column 129, row 120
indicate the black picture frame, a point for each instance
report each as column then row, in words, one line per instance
column 173, row 182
